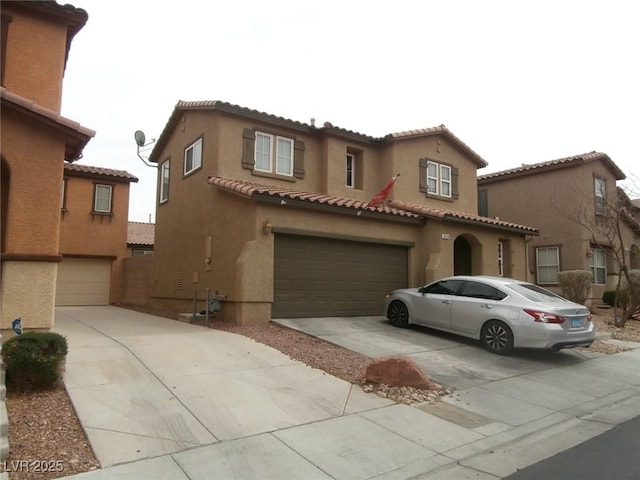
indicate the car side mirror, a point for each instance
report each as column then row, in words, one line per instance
column 421, row 290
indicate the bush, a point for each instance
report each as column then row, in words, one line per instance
column 575, row 284
column 34, row 360
column 609, row 297
column 624, row 296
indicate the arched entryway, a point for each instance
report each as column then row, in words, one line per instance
column 466, row 251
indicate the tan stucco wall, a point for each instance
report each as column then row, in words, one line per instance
column 34, row 156
column 43, row 43
column 28, row 292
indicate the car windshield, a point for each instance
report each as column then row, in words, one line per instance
column 536, row 293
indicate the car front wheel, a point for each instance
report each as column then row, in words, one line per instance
column 398, row 314
column 497, row 337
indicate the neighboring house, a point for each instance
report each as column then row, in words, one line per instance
column 36, row 141
column 566, row 199
column 93, row 235
column 272, row 214
column 140, row 238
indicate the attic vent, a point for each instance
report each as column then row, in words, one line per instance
column 180, row 284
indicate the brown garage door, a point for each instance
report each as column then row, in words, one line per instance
column 327, row 277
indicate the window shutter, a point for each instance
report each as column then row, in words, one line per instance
column 423, row 175
column 454, row 183
column 248, row 148
column 298, row 159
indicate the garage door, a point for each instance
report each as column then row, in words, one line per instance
column 83, row 281
column 327, row 277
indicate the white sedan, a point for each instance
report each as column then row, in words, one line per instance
column 502, row 313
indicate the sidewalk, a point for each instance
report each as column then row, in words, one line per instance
column 169, row 400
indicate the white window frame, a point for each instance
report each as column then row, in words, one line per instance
column 97, row 198
column 279, row 148
column 440, row 183
column 600, row 195
column 164, row 181
column 284, row 145
column 548, row 279
column 599, row 264
column 196, row 157
column 259, row 152
column 351, row 170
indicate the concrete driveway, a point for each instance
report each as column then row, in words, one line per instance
column 446, row 358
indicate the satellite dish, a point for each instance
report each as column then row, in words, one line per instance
column 140, row 138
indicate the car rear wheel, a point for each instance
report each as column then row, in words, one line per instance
column 497, row 337
column 398, row 314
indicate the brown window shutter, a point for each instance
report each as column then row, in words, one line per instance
column 248, row 148
column 423, row 175
column 298, row 159
column 454, row 183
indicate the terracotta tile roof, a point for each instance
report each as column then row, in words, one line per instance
column 311, row 129
column 139, row 233
column 250, row 189
column 88, row 170
column 77, row 135
column 439, row 130
column 532, row 169
column 394, row 207
column 432, row 212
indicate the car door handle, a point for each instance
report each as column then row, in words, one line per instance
column 446, row 302
column 484, row 305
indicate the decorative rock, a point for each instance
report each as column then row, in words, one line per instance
column 399, row 372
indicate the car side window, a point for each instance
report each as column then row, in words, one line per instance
column 480, row 290
column 443, row 287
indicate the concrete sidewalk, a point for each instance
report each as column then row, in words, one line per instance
column 163, row 399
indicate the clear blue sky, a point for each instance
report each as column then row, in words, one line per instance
column 519, row 82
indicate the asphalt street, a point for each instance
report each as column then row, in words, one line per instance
column 614, row 454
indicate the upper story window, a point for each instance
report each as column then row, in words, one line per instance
column 164, row 182
column 600, row 195
column 438, row 179
column 193, row 157
column 274, row 154
column 547, row 265
column 351, row 170
column 269, row 154
column 102, row 199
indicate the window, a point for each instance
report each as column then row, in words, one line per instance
column 351, row 165
column 193, row 157
column 547, row 264
column 438, row 179
column 501, row 259
column 63, row 195
column 266, row 149
column 164, row 182
column 599, row 266
column 102, row 198
column 600, row 195
column 443, row 287
column 480, row 290
column 268, row 154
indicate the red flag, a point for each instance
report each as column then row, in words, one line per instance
column 382, row 195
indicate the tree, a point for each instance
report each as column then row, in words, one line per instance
column 613, row 230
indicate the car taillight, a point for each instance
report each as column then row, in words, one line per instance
column 545, row 317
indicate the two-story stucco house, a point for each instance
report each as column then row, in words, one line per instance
column 35, row 141
column 93, row 234
column 570, row 201
column 272, row 214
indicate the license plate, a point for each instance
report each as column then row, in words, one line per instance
column 576, row 323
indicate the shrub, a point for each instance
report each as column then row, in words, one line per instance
column 624, row 295
column 575, row 284
column 34, row 360
column 609, row 297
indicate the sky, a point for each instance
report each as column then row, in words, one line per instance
column 519, row 82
